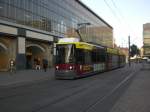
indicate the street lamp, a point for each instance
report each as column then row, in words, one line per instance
column 79, row 26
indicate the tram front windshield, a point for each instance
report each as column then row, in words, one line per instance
column 64, row 53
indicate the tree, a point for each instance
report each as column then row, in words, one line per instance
column 134, row 50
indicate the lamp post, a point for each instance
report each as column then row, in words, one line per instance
column 79, row 26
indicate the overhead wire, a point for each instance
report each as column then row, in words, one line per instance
column 124, row 19
column 119, row 16
column 113, row 12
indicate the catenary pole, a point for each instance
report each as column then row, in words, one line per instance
column 129, row 51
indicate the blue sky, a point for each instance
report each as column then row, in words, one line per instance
column 125, row 16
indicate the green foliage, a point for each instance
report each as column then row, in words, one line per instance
column 134, row 50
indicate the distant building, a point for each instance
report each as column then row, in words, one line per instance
column 125, row 50
column 141, row 52
column 146, row 40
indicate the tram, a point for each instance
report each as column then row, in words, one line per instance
column 76, row 59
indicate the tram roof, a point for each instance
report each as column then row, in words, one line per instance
column 89, row 46
column 112, row 50
column 121, row 53
column 83, row 45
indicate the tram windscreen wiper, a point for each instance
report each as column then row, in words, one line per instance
column 64, row 53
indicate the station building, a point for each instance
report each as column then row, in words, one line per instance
column 28, row 29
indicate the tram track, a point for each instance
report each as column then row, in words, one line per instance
column 28, row 89
column 82, row 91
column 100, row 101
column 65, row 92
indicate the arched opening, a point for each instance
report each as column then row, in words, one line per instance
column 3, row 48
column 3, row 57
column 34, row 54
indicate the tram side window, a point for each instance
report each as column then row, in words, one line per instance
column 102, row 56
column 87, row 57
column 83, row 56
column 98, row 56
column 122, row 59
column 115, row 60
column 109, row 58
column 93, row 55
column 80, row 56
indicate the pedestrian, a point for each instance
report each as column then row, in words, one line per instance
column 45, row 64
column 37, row 64
column 12, row 66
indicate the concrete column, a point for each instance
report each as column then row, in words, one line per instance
column 21, row 57
column 54, row 54
column 54, row 50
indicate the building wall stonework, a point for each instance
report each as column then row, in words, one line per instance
column 14, row 47
column 38, row 50
column 9, row 53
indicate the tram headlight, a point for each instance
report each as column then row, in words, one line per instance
column 57, row 67
column 80, row 67
column 70, row 67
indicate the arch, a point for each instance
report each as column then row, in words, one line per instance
column 3, row 57
column 3, row 47
column 34, row 52
column 36, row 45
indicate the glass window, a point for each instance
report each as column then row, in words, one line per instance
column 6, row 10
column 44, row 23
column 94, row 57
column 12, row 13
column 28, row 18
column 80, row 56
column 36, row 22
column 2, row 9
column 65, row 53
column 6, row 1
column 88, row 59
column 49, row 25
column 34, row 8
column 20, row 17
column 60, row 15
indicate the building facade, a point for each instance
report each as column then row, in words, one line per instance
column 146, row 40
column 125, row 51
column 28, row 29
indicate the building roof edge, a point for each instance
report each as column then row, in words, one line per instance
column 90, row 10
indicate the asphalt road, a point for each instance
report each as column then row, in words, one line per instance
column 98, row 93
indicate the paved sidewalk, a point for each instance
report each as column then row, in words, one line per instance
column 24, row 77
column 137, row 96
